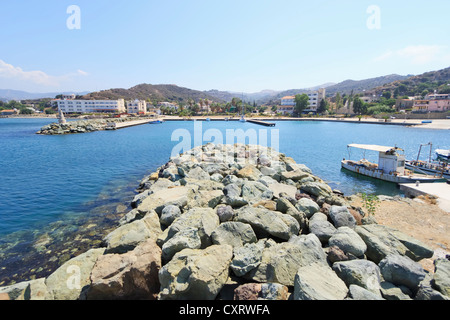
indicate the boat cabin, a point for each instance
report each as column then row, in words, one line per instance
column 389, row 158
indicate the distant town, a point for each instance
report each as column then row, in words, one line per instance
column 305, row 104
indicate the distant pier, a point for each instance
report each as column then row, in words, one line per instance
column 262, row 123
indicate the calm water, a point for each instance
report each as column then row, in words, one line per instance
column 60, row 194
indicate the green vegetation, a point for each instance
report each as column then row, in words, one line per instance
column 301, row 103
column 371, row 202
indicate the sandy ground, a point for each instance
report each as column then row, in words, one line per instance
column 419, row 218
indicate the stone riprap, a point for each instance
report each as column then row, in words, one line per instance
column 243, row 222
column 82, row 126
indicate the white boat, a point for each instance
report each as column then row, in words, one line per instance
column 390, row 167
column 242, row 119
column 443, row 154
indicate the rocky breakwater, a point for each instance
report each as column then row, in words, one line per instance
column 243, row 223
column 82, row 126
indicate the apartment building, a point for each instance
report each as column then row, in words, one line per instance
column 91, row 106
column 137, row 107
column 315, row 97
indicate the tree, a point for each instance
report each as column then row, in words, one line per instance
column 301, row 103
column 323, row 106
column 359, row 107
column 387, row 94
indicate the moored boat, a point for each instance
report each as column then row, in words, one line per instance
column 432, row 168
column 443, row 154
column 390, row 166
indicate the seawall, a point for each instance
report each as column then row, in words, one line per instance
column 239, row 222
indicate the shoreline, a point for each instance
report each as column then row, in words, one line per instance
column 436, row 124
column 165, row 187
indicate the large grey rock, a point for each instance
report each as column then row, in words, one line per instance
column 322, row 229
column 308, row 206
column 266, row 222
column 318, row 282
column 249, row 172
column 441, row 279
column 187, row 238
column 341, row 217
column 133, row 275
column 128, row 236
column 177, row 196
column 359, row 293
column 348, row 241
column 389, row 291
column 401, row 270
column 196, row 274
column 254, row 191
column 382, row 241
column 236, row 234
column 169, row 214
column 68, row 281
column 363, row 273
column 279, row 188
column 280, row 262
column 205, row 220
column 225, row 213
column 198, row 174
column 248, row 257
column 317, row 189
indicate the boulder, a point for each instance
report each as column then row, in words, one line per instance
column 363, row 273
column 248, row 257
column 253, row 192
column 317, row 189
column 383, row 240
column 341, row 217
column 225, row 213
column 236, row 234
column 128, row 236
column 205, row 220
column 359, row 293
column 249, row 172
column 261, row 291
column 187, row 238
column 441, row 279
column 318, row 282
column 68, row 281
column 129, row 276
column 266, row 222
column 177, row 196
column 169, row 214
column 308, row 206
column 195, row 274
column 401, row 270
column 280, row 262
column 278, row 188
column 389, row 291
column 322, row 229
column 348, row 241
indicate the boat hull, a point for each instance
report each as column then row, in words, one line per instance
column 378, row 174
column 426, row 170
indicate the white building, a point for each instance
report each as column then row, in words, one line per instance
column 314, row 101
column 91, row 106
column 137, row 107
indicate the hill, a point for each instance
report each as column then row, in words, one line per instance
column 419, row 85
column 154, row 93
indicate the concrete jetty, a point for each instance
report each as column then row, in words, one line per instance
column 440, row 190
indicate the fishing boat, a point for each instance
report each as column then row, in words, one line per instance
column 390, row 166
column 242, row 119
column 431, row 167
column 443, row 154
column 156, row 122
column 207, row 119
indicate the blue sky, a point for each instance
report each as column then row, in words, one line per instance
column 243, row 46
